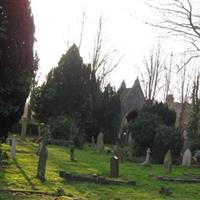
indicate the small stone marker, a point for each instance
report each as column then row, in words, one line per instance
column 168, row 161
column 13, row 147
column 187, row 158
column 71, row 147
column 114, row 167
column 100, row 143
column 43, row 155
column 147, row 160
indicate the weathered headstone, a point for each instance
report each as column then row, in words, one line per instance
column 187, row 158
column 168, row 161
column 114, row 167
column 71, row 147
column 13, row 147
column 43, row 155
column 147, row 160
column 100, row 143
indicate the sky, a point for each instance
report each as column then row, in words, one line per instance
column 58, row 25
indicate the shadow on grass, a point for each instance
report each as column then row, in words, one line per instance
column 25, row 175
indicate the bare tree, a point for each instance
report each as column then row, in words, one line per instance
column 151, row 76
column 103, row 64
column 82, row 29
column 183, row 87
column 181, row 19
column 168, row 77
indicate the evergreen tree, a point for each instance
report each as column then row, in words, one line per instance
column 16, row 60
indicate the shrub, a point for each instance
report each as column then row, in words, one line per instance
column 166, row 138
column 60, row 127
column 143, row 130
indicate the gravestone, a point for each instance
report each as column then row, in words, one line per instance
column 147, row 160
column 114, row 167
column 71, row 147
column 187, row 158
column 168, row 161
column 13, row 146
column 43, row 155
column 100, row 143
column 40, row 145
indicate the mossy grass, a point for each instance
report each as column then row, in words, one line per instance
column 21, row 175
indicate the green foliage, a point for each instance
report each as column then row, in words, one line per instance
column 109, row 114
column 194, row 120
column 168, row 116
column 151, row 129
column 143, row 130
column 61, row 127
column 16, row 60
column 166, row 138
column 73, row 89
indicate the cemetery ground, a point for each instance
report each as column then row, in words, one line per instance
column 20, row 175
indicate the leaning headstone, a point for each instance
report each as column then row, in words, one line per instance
column 168, row 161
column 147, row 160
column 13, row 147
column 100, row 143
column 187, row 158
column 43, row 154
column 114, row 167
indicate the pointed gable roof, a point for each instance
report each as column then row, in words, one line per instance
column 133, row 100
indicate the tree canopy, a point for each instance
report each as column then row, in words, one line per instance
column 72, row 89
column 16, row 60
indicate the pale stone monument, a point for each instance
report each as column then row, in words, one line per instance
column 187, row 158
column 13, row 146
column 100, row 143
column 186, row 143
column 168, row 161
column 147, row 160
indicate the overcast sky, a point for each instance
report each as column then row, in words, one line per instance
column 58, row 25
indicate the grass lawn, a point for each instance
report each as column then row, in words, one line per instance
column 21, row 175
